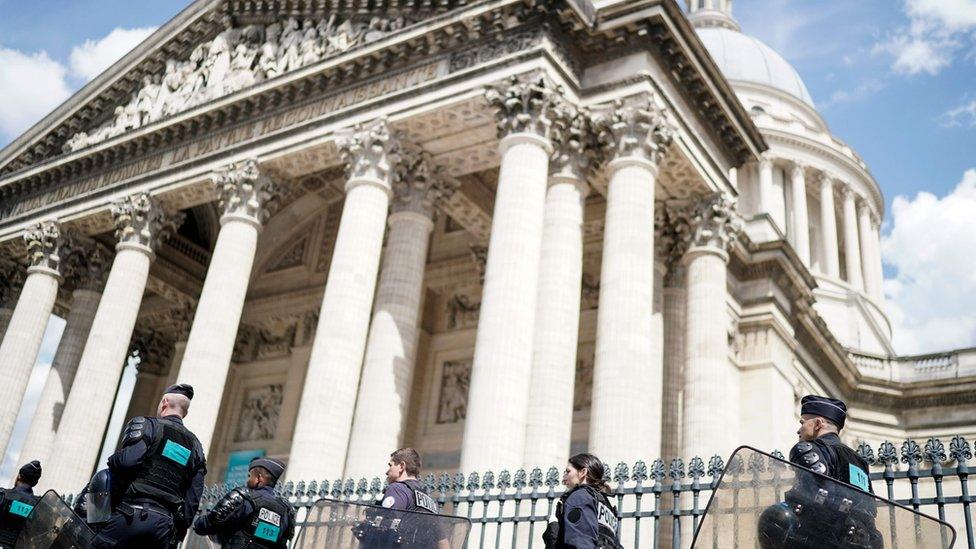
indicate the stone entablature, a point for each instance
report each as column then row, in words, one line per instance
column 460, row 43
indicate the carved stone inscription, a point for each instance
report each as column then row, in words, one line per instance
column 259, row 414
column 452, row 405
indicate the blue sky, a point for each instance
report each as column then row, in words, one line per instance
column 896, row 79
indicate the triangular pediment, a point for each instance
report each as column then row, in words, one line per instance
column 210, row 50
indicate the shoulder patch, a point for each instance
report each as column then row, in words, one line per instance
column 388, row 502
column 574, row 515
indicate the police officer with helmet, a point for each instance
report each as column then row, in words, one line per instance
column 818, row 513
column 584, row 516
column 820, row 448
column 252, row 515
column 163, row 466
column 17, row 503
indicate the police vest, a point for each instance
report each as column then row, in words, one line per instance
column 421, row 501
column 269, row 525
column 167, row 469
column 606, row 519
column 16, row 506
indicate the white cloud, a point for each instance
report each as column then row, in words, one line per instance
column 937, row 30
column 91, row 58
column 963, row 115
column 31, row 85
column 860, row 91
column 49, row 345
column 932, row 297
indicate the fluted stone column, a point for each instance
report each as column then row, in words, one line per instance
column 670, row 247
column 388, row 367
column 852, row 248
column 155, row 355
column 244, row 196
column 326, row 408
column 86, row 268
column 625, row 340
column 22, row 340
column 710, row 403
column 801, row 223
column 498, row 394
column 140, row 225
column 550, row 416
column 11, row 281
column 828, row 226
column 872, row 282
column 876, row 262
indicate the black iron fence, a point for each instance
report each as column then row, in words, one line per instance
column 660, row 503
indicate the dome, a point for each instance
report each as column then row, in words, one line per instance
column 744, row 58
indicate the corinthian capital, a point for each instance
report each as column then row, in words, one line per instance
column 713, row 222
column 577, row 151
column 639, row 129
column 525, row 107
column 154, row 351
column 44, row 243
column 141, row 222
column 370, row 152
column 244, row 192
column 418, row 184
column 669, row 240
column 87, row 264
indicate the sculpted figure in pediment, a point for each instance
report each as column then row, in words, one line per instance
column 309, row 48
column 218, row 58
column 146, row 100
column 291, row 39
column 268, row 55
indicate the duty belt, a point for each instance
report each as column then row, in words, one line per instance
column 129, row 509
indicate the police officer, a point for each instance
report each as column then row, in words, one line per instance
column 820, row 448
column 405, row 492
column 818, row 513
column 584, row 517
column 17, row 503
column 162, row 465
column 251, row 516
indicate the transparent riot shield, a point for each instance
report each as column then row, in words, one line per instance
column 53, row 525
column 333, row 523
column 196, row 541
column 764, row 502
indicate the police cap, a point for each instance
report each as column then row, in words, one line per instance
column 31, row 472
column 180, row 389
column 273, row 466
column 830, row 408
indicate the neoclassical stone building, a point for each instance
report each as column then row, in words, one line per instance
column 497, row 231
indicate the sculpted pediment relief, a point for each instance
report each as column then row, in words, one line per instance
column 237, row 58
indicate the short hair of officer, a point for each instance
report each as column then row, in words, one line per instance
column 409, row 459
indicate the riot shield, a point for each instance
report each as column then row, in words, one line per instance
column 764, row 502
column 333, row 524
column 53, row 525
column 196, row 541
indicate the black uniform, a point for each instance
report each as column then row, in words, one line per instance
column 386, row 528
column 15, row 505
column 409, row 495
column 585, row 519
column 829, row 456
column 247, row 517
column 163, row 466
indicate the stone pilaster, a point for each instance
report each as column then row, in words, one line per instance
column 86, row 268
column 766, row 186
column 245, row 197
column 710, row 384
column 550, row 416
column 852, row 247
column 828, row 227
column 11, row 281
column 22, row 339
column 626, row 345
column 141, row 223
column 389, row 363
column 498, row 395
column 801, row 223
column 326, row 409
